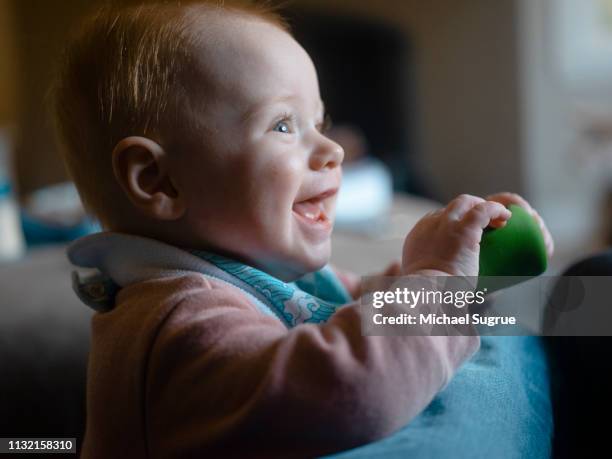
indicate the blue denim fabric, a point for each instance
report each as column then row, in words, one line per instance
column 498, row 405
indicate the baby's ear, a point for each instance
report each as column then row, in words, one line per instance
column 140, row 166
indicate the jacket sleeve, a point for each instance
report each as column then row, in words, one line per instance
column 223, row 378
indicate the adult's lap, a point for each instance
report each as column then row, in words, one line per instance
column 497, row 405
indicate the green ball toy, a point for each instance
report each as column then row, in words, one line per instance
column 517, row 249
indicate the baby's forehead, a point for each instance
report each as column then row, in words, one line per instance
column 222, row 40
column 235, row 54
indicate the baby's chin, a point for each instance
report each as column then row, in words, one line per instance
column 296, row 267
column 316, row 262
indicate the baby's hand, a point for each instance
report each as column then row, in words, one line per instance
column 448, row 241
column 507, row 198
column 394, row 269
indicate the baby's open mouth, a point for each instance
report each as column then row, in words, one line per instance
column 310, row 210
column 313, row 209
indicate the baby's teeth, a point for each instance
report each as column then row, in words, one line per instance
column 307, row 209
column 314, row 211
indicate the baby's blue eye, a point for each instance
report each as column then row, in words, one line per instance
column 282, row 126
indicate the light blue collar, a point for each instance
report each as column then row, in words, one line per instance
column 121, row 259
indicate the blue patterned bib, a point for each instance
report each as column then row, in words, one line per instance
column 311, row 299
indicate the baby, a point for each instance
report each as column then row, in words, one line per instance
column 196, row 134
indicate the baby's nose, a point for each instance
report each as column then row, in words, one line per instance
column 326, row 154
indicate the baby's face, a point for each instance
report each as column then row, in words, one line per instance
column 262, row 185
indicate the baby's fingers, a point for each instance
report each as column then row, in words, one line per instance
column 506, row 198
column 486, row 213
column 459, row 206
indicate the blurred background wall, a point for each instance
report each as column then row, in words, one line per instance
column 40, row 29
column 9, row 65
column 490, row 107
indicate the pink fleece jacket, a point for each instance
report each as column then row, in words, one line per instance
column 187, row 366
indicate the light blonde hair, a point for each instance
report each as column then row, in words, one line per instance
column 125, row 73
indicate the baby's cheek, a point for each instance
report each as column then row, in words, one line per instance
column 280, row 186
column 281, row 178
